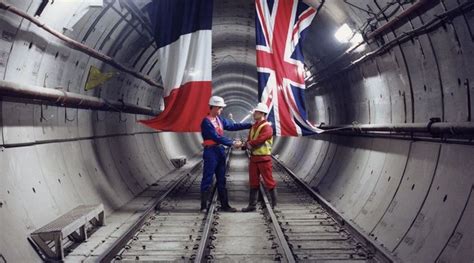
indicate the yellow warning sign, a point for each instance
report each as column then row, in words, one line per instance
column 97, row 78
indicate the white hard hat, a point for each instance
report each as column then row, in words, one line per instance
column 262, row 107
column 217, row 101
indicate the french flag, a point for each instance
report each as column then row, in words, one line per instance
column 184, row 37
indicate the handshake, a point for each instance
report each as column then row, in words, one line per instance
column 239, row 144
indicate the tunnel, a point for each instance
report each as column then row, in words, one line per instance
column 396, row 165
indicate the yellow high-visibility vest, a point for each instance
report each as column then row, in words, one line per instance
column 265, row 148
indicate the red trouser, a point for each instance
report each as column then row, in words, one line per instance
column 261, row 168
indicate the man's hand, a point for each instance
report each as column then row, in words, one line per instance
column 237, row 144
column 244, row 146
column 248, row 146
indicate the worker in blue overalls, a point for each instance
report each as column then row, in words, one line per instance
column 212, row 131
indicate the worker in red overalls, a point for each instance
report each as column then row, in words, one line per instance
column 212, row 131
column 259, row 144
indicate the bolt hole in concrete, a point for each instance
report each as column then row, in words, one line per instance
column 445, row 197
column 1, row 204
column 412, row 186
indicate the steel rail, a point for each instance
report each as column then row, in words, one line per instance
column 380, row 252
column 279, row 232
column 210, row 219
column 276, row 226
column 112, row 251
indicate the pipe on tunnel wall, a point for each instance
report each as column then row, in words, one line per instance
column 403, row 16
column 67, row 99
column 56, row 158
column 325, row 74
column 79, row 46
column 433, row 128
column 414, row 197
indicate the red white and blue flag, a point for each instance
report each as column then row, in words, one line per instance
column 184, row 38
column 280, row 26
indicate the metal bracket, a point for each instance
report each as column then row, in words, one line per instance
column 120, row 117
column 66, row 119
column 432, row 121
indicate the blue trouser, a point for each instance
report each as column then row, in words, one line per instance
column 214, row 163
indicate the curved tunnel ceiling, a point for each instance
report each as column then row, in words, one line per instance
column 234, row 69
column 409, row 190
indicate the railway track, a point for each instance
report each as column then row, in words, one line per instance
column 302, row 228
column 242, row 237
column 172, row 232
column 310, row 231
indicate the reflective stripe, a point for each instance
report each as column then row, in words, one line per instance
column 219, row 130
column 266, row 147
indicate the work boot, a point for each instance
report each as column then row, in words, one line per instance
column 224, row 199
column 204, row 199
column 260, row 197
column 252, row 201
column 273, row 197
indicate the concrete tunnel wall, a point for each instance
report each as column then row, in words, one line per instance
column 414, row 197
column 52, row 158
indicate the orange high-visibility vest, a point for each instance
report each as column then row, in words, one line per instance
column 266, row 147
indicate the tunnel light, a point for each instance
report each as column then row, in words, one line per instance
column 343, row 34
column 357, row 39
column 346, row 35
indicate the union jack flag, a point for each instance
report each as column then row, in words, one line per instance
column 280, row 26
